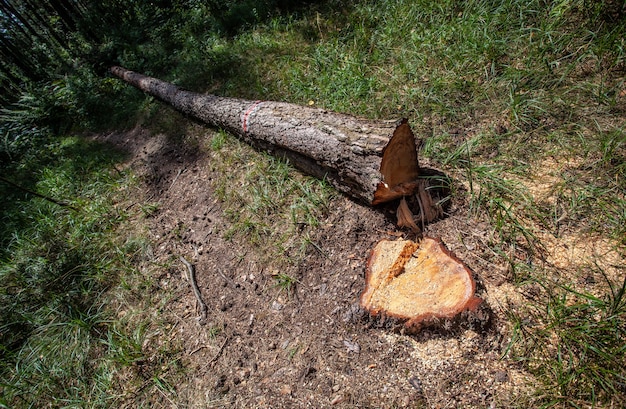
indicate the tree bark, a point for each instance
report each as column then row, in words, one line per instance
column 345, row 150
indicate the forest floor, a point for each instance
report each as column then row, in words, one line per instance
column 302, row 341
column 522, row 104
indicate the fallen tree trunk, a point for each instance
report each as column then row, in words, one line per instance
column 371, row 161
column 345, row 150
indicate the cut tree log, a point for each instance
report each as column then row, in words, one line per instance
column 371, row 161
column 418, row 283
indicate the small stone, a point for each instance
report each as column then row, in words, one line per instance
column 244, row 374
column 416, row 383
column 337, row 399
column 286, row 390
column 352, row 346
column 501, row 376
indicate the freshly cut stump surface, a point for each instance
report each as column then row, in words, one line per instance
column 417, row 282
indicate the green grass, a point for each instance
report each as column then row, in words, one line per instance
column 61, row 272
column 267, row 202
column 497, row 91
column 584, row 360
column 284, row 282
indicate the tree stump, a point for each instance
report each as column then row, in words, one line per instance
column 417, row 283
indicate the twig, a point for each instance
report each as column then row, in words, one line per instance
column 317, row 18
column 174, row 181
column 196, row 291
column 32, row 192
column 197, row 349
column 119, row 172
column 228, row 279
column 167, row 397
column 217, row 355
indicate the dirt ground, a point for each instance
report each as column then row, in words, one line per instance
column 262, row 347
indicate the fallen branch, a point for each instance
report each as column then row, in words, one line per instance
column 44, row 197
column 176, row 178
column 204, row 309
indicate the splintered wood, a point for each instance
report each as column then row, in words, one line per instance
column 417, row 283
column 402, row 177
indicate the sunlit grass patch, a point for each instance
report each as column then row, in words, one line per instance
column 574, row 342
column 269, row 204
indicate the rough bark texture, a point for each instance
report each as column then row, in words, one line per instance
column 345, row 150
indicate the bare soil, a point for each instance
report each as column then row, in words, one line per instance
column 314, row 347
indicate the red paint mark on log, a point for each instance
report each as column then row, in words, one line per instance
column 251, row 108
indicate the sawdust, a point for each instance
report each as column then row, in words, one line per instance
column 546, row 179
column 450, row 358
column 573, row 253
column 315, row 347
column 577, row 251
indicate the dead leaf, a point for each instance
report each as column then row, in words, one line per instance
column 352, row 346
